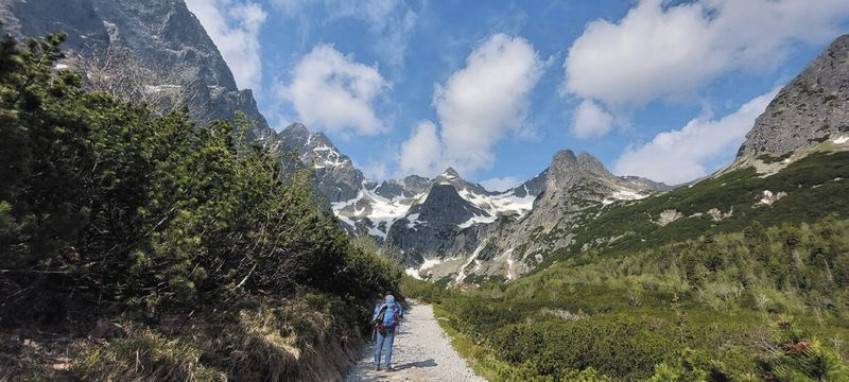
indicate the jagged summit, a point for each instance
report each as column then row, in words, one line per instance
column 296, row 128
column 151, row 51
column 450, row 172
column 811, row 109
column 565, row 155
column 335, row 174
column 445, row 206
column 584, row 162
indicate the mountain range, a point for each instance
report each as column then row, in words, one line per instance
column 445, row 227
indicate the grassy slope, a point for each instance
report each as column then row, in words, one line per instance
column 812, row 193
column 696, row 292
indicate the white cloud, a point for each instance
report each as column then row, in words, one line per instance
column 422, row 153
column 486, row 99
column 501, row 184
column 590, row 120
column 234, row 27
column 332, row 92
column 376, row 171
column 691, row 152
column 660, row 51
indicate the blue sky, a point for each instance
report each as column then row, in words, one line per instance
column 663, row 89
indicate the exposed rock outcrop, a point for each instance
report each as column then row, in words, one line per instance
column 811, row 109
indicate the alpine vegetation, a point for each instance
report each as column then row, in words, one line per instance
column 424, row 191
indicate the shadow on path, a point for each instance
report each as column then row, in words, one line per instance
column 422, row 353
column 419, row 364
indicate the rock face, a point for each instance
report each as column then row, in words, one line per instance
column 430, row 227
column 153, row 51
column 334, row 173
column 422, row 216
column 813, row 108
column 511, row 245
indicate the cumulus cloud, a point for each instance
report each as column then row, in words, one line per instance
column 484, row 100
column 234, row 27
column 691, row 152
column 422, row 153
column 661, row 51
column 590, row 120
column 330, row 91
column 375, row 171
column 501, row 184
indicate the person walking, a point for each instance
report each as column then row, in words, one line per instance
column 387, row 316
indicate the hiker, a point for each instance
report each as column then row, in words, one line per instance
column 387, row 316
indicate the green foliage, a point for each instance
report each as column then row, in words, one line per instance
column 219, row 265
column 812, row 185
column 795, row 356
column 105, row 203
column 684, row 311
column 423, row 290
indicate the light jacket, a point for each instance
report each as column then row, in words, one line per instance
column 391, row 308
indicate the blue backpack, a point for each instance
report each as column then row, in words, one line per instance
column 387, row 317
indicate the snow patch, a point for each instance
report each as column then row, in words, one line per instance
column 841, row 140
column 511, row 264
column 382, row 212
column 462, row 274
column 495, row 205
column 413, row 221
column 329, row 157
column 622, row 195
column 427, row 264
column 477, row 219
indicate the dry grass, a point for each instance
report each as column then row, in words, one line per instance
column 268, row 341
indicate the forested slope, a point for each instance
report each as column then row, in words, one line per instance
column 137, row 246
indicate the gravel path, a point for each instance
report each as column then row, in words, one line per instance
column 422, row 352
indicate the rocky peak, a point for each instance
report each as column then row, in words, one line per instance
column 646, row 184
column 450, row 172
column 532, row 187
column 566, row 157
column 296, row 129
column 151, row 51
column 416, row 184
column 591, row 165
column 335, row 174
column 450, row 175
column 811, row 109
column 444, row 206
column 391, row 189
column 294, row 135
column 566, row 169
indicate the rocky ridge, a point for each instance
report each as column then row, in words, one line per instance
column 810, row 110
column 152, row 51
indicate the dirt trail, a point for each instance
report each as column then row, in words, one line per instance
column 422, row 353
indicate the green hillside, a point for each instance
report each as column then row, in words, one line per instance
column 812, row 185
column 760, row 294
